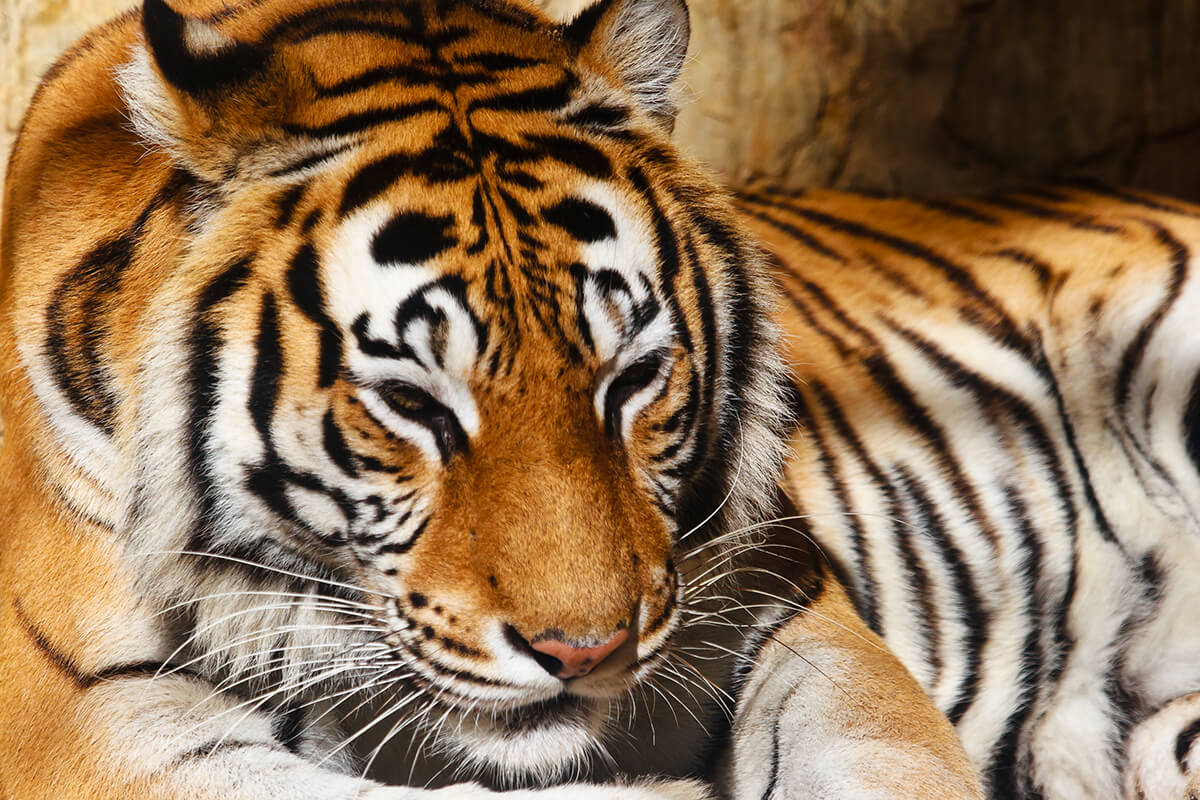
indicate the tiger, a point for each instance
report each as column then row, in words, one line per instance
column 392, row 412
column 380, row 378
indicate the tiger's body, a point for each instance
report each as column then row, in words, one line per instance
column 999, row 443
column 379, row 362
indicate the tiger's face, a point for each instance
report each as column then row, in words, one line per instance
column 478, row 343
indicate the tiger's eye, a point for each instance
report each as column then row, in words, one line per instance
column 421, row 407
column 407, row 399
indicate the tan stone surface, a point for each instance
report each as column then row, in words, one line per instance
column 927, row 96
column 32, row 35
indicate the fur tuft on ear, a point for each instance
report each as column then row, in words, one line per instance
column 643, row 41
column 193, row 56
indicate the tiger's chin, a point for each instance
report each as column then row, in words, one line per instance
column 534, row 745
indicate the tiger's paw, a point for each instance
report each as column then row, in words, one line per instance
column 1164, row 753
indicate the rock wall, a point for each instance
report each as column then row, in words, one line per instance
column 911, row 96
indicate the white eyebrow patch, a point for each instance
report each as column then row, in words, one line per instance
column 611, row 307
column 356, row 284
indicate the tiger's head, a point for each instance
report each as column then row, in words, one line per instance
column 457, row 340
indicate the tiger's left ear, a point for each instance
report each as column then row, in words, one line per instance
column 643, row 41
column 192, row 55
column 176, row 81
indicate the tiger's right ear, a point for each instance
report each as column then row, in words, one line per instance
column 644, row 42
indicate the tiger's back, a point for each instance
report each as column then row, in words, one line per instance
column 999, row 445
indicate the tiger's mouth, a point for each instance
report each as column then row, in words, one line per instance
column 544, row 713
column 539, row 742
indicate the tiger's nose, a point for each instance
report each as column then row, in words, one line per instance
column 564, row 660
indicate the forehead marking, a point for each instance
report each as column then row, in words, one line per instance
column 582, row 219
column 412, row 237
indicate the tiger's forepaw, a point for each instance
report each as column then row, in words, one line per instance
column 1164, row 753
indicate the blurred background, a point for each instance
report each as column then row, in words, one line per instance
column 901, row 96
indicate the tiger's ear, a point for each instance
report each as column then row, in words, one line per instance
column 192, row 55
column 174, row 84
column 643, row 41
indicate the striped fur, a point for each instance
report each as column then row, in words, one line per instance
column 358, row 356
column 998, row 448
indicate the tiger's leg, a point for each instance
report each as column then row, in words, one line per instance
column 828, row 712
column 131, row 735
column 1164, row 753
column 136, row 737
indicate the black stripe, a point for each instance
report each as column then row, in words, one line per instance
column 204, row 342
column 287, row 205
column 601, row 116
column 65, row 664
column 79, row 318
column 918, row 579
column 217, row 746
column 581, row 219
column 540, row 99
column 304, row 286
column 411, row 75
column 436, row 165
column 1078, row 221
column 498, row 62
column 1191, row 423
column 1132, row 357
column 917, row 416
column 588, row 159
column 74, row 347
column 996, row 322
column 1085, row 477
column 975, row 617
column 801, row 306
column 412, row 238
column 364, row 120
column 288, row 729
column 400, row 548
column 309, row 161
column 956, row 209
column 341, row 27
column 1133, row 198
column 1005, row 777
column 271, row 480
column 1183, row 744
column 268, row 370
column 797, row 234
column 335, row 445
column 864, row 586
column 1042, row 270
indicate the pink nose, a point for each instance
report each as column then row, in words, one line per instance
column 578, row 661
